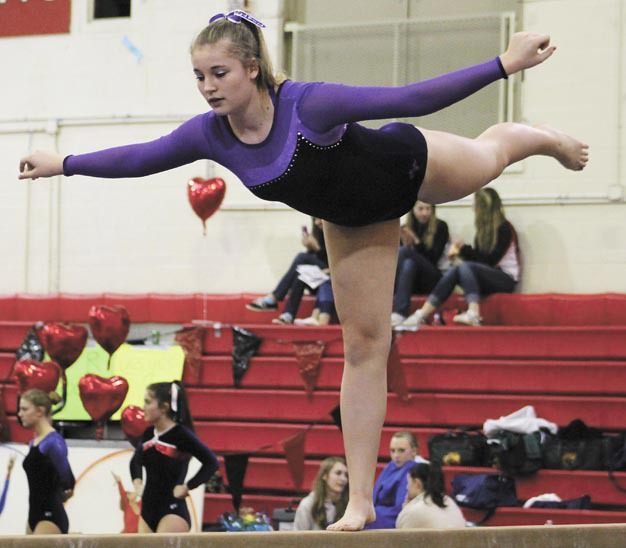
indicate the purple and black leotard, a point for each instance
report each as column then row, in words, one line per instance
column 316, row 158
column 49, row 474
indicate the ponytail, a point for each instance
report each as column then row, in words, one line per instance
column 175, row 396
column 39, row 398
column 431, row 477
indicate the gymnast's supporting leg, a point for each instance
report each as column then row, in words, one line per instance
column 363, row 263
column 143, row 528
column 172, row 523
column 45, row 527
column 458, row 166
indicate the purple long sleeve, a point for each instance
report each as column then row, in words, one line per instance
column 3, row 497
column 54, row 447
column 317, row 111
column 327, row 105
column 184, row 145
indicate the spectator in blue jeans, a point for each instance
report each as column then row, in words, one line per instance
column 289, row 285
column 491, row 266
column 424, row 238
column 324, row 307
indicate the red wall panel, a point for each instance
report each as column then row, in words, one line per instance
column 28, row 17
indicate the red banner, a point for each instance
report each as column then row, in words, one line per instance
column 27, row 17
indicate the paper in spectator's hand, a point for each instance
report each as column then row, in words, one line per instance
column 312, row 275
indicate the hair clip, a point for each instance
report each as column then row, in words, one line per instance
column 237, row 16
column 174, row 397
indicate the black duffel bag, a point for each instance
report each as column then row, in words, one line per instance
column 578, row 447
column 516, row 454
column 458, row 448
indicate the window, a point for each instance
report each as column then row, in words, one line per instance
column 104, row 9
column 407, row 51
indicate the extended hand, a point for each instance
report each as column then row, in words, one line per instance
column 41, row 164
column 526, row 49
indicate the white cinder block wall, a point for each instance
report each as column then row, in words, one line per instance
column 86, row 91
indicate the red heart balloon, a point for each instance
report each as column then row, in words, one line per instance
column 205, row 196
column 33, row 374
column 109, row 326
column 133, row 423
column 64, row 342
column 102, row 397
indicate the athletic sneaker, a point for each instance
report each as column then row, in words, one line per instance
column 468, row 318
column 412, row 323
column 261, row 304
column 284, row 319
column 396, row 319
column 310, row 321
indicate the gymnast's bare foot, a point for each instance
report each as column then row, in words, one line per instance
column 570, row 152
column 360, row 511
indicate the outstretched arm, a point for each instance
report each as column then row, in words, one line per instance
column 327, row 105
column 184, row 145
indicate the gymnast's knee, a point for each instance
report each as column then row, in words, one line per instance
column 365, row 342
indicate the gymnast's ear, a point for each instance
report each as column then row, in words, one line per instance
column 253, row 69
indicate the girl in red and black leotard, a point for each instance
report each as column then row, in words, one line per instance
column 50, row 478
column 164, row 451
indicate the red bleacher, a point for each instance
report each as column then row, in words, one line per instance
column 564, row 354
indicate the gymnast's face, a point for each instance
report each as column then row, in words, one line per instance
column 223, row 80
column 29, row 413
column 401, row 451
column 423, row 212
column 153, row 410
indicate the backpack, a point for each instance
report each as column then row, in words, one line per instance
column 484, row 491
column 516, row 454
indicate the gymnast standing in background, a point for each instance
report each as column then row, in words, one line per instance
column 50, row 478
column 164, row 451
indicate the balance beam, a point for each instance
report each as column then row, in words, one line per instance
column 555, row 536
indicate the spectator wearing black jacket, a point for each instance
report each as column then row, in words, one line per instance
column 424, row 238
column 491, row 266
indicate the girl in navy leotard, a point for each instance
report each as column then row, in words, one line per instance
column 300, row 143
column 50, row 478
column 164, row 451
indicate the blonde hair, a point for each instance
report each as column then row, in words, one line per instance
column 320, row 493
column 408, row 436
column 488, row 216
column 39, row 398
column 246, row 44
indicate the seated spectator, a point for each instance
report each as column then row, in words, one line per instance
column 315, row 254
column 491, row 266
column 390, row 488
column 327, row 502
column 428, row 506
column 424, row 238
column 324, row 307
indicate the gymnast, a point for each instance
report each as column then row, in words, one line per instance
column 299, row 143
column 164, row 451
column 50, row 478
